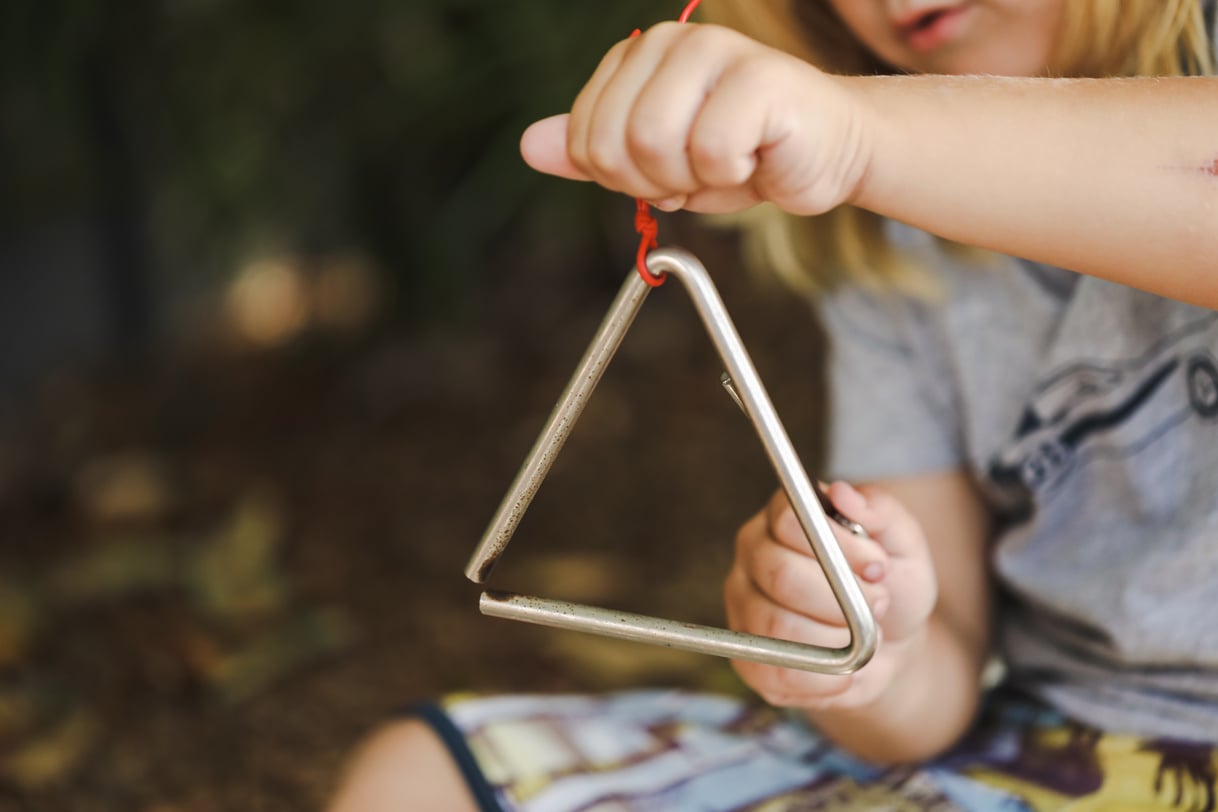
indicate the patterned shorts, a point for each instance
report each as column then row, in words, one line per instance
column 669, row 750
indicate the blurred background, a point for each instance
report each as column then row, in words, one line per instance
column 281, row 312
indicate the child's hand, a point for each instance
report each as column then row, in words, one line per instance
column 777, row 588
column 701, row 117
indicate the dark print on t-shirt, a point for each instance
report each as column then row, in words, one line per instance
column 1113, row 408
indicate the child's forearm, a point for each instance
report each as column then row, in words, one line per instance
column 1117, row 178
column 928, row 706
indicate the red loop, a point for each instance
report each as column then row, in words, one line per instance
column 648, row 228
column 644, row 223
column 689, row 9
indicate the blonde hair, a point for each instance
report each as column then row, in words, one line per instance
column 1099, row 38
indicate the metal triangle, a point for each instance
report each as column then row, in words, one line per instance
column 746, row 386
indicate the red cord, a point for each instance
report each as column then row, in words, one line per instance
column 648, row 228
column 689, row 9
column 644, row 223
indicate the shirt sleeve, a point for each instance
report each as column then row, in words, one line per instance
column 892, row 411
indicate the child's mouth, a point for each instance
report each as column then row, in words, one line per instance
column 932, row 28
column 928, row 20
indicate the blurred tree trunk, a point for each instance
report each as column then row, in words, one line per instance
column 121, row 200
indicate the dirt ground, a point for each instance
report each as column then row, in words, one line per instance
column 219, row 570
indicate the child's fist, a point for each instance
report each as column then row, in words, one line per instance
column 702, row 117
column 777, row 588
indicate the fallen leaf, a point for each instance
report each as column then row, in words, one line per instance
column 276, row 653
column 21, row 615
column 115, row 568
column 236, row 572
column 126, row 486
column 52, row 756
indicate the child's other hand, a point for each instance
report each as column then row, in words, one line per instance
column 703, row 118
column 777, row 588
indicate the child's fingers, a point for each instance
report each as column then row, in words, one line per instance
column 659, row 127
column 795, row 581
column 726, row 138
column 791, row 688
column 751, row 611
column 750, row 133
column 810, row 691
column 544, row 147
column 722, row 201
column 663, row 134
column 854, row 505
column 754, row 614
column 883, row 517
column 602, row 112
column 589, row 96
column 866, row 557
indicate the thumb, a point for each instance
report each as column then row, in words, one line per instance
column 544, row 147
column 882, row 515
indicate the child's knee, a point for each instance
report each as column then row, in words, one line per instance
column 404, row 765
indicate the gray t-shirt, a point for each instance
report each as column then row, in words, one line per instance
column 1088, row 414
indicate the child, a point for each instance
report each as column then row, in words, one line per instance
column 1041, row 444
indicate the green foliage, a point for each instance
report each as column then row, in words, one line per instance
column 387, row 126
